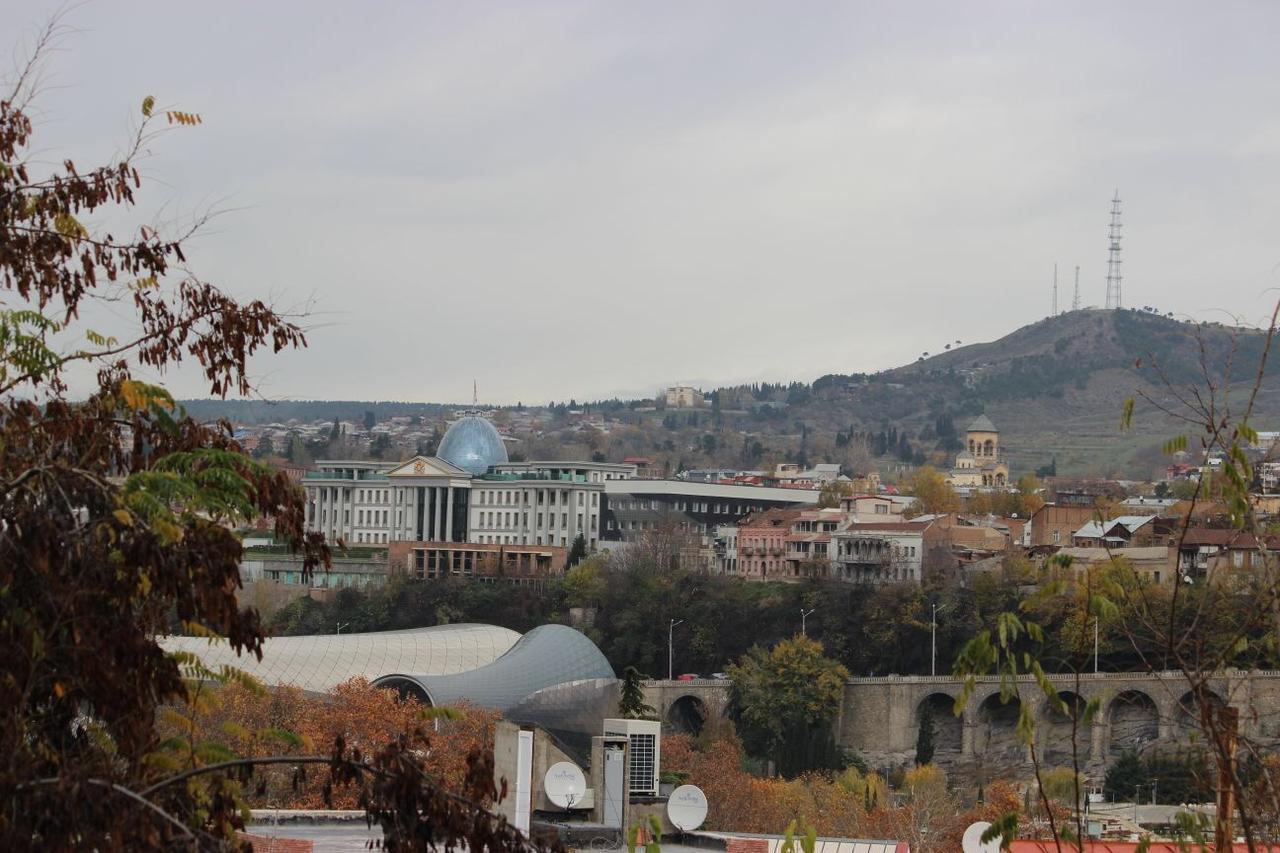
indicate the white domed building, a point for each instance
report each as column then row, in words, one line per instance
column 467, row 511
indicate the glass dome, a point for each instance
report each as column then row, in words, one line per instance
column 473, row 444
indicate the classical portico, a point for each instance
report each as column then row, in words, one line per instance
column 429, row 499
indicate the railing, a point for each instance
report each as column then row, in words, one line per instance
column 990, row 679
column 361, row 476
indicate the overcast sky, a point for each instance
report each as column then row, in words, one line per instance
column 581, row 199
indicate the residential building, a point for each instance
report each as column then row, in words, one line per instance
column 883, row 553
column 762, row 543
column 1222, row 556
column 1054, row 523
column 808, row 545
column 726, row 550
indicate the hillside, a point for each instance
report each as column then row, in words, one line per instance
column 1055, row 388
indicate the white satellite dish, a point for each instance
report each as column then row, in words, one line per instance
column 687, row 807
column 564, row 784
column 971, row 841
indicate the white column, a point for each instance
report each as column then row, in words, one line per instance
column 448, row 523
column 436, row 494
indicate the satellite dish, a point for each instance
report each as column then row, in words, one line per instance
column 687, row 807
column 564, row 784
column 971, row 841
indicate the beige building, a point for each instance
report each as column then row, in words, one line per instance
column 685, row 397
column 979, row 466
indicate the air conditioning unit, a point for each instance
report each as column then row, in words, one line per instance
column 645, row 737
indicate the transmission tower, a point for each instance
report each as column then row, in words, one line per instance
column 1055, row 291
column 1075, row 297
column 1113, row 255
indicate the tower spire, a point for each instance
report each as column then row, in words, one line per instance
column 1113, row 255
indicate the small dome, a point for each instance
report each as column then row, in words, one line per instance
column 473, row 444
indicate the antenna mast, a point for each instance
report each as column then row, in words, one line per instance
column 1075, row 297
column 1113, row 255
column 1055, row 291
column 475, row 395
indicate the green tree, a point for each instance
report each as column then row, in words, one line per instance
column 264, row 449
column 577, row 551
column 631, row 704
column 1124, row 776
column 584, row 584
column 925, row 737
column 784, row 700
column 369, row 420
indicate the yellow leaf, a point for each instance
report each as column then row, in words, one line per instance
column 123, row 516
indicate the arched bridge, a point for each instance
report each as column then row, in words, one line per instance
column 881, row 717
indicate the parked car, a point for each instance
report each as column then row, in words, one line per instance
column 688, row 676
column 723, row 676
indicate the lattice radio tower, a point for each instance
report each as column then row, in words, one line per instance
column 1113, row 255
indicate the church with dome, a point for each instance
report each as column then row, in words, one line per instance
column 978, row 465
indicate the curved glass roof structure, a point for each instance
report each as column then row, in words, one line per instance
column 546, row 657
column 473, row 444
column 320, row 662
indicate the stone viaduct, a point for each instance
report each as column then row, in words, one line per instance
column 880, row 717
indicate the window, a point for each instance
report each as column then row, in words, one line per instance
column 1237, row 559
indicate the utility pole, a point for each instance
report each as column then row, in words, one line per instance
column 933, row 640
column 671, row 648
column 1095, row 645
column 804, row 614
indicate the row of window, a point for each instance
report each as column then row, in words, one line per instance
column 371, row 516
column 512, row 519
column 373, row 496
column 522, row 539
column 658, row 505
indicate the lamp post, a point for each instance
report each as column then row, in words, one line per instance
column 671, row 655
column 804, row 614
column 933, row 640
column 341, row 625
column 1095, row 645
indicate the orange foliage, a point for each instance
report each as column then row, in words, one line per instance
column 931, row 821
column 287, row 721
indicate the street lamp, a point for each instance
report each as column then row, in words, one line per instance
column 933, row 640
column 671, row 648
column 1095, row 645
column 342, row 625
column 804, row 614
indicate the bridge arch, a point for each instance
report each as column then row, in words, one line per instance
column 687, row 713
column 1187, row 713
column 948, row 729
column 1056, row 730
column 997, row 723
column 1133, row 720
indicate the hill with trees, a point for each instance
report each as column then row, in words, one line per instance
column 1055, row 388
